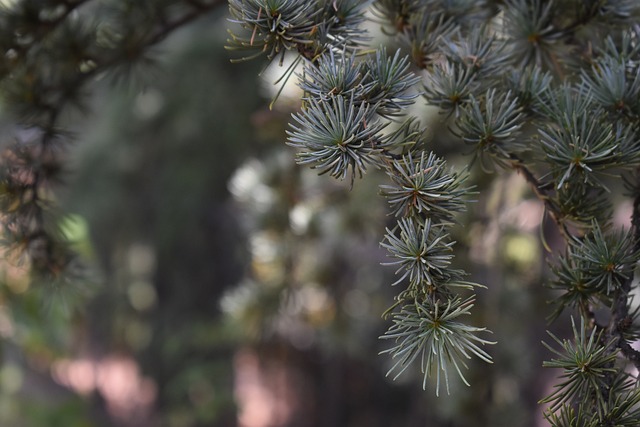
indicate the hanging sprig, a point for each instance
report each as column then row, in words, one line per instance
column 433, row 332
column 427, row 326
column 339, row 132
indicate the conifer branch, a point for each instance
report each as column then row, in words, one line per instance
column 588, row 131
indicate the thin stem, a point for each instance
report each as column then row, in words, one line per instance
column 621, row 318
column 542, row 193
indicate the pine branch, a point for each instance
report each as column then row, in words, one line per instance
column 584, row 108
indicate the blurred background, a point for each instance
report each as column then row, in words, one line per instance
column 225, row 286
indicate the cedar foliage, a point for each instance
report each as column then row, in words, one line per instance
column 548, row 90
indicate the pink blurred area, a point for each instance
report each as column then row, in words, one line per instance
column 128, row 395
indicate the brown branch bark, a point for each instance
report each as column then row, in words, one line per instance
column 620, row 317
column 542, row 193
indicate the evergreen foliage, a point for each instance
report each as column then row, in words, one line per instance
column 546, row 89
